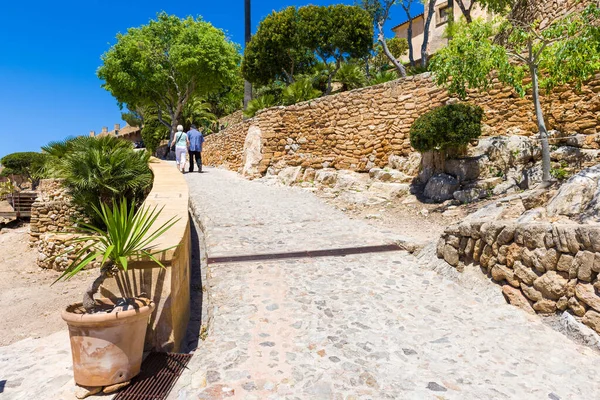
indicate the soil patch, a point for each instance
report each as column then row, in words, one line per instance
column 30, row 306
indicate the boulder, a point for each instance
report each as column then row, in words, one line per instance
column 551, row 285
column 545, row 306
column 578, row 307
column 516, row 298
column 583, row 263
column 469, row 195
column 574, row 196
column 531, row 293
column 252, row 153
column 525, row 274
column 464, row 169
column 506, row 187
column 326, row 176
column 289, row 175
column 409, row 165
column 451, row 255
column 350, row 180
column 389, row 175
column 441, row 187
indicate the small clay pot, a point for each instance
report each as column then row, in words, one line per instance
column 107, row 348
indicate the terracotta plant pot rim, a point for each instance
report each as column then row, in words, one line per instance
column 145, row 307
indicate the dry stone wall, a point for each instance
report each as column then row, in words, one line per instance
column 52, row 215
column 361, row 129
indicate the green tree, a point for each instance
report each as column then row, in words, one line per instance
column 351, row 76
column 567, row 51
column 396, row 46
column 335, row 33
column 275, row 51
column 29, row 165
column 168, row 62
column 153, row 133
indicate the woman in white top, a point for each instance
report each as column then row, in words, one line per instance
column 181, row 145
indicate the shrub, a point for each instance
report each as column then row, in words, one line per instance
column 100, row 170
column 153, row 133
column 446, row 127
column 258, row 104
column 29, row 165
column 301, row 90
column 382, row 77
column 350, row 76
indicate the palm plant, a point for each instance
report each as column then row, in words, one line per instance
column 258, row 104
column 198, row 111
column 350, row 76
column 382, row 77
column 301, row 90
column 100, row 170
column 128, row 233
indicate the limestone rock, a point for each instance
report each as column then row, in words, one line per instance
column 290, row 175
column 586, row 293
column 578, row 307
column 441, row 187
column 389, row 175
column 469, row 195
column 516, row 298
column 562, row 303
column 451, row 255
column 464, row 169
column 524, row 273
column 326, row 176
column 507, row 234
column 508, row 186
column 592, row 319
column 564, row 263
column 583, row 263
column 574, row 196
column 513, row 254
column 545, row 306
column 252, row 153
column 501, row 273
column 551, row 285
column 409, row 165
column 531, row 293
column 389, row 191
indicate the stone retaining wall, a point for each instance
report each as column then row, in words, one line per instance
column 361, row 129
column 544, row 267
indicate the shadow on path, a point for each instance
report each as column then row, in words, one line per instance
column 195, row 324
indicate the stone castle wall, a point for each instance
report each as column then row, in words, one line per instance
column 361, row 129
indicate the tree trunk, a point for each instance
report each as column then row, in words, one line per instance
column 466, row 12
column 399, row 67
column 88, row 297
column 411, row 52
column 430, row 12
column 248, row 36
column 539, row 115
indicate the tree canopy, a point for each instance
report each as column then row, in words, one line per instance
column 29, row 165
column 167, row 62
column 288, row 42
column 567, row 51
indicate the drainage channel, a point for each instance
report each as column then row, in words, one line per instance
column 159, row 373
column 340, row 252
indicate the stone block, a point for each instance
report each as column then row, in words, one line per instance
column 516, row 298
column 551, row 285
column 587, row 294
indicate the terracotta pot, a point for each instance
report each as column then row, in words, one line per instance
column 107, row 348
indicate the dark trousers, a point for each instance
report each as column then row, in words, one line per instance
column 198, row 156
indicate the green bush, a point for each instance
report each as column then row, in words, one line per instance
column 301, row 90
column 446, row 127
column 100, row 170
column 153, row 133
column 258, row 104
column 350, row 76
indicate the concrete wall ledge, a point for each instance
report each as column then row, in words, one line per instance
column 168, row 287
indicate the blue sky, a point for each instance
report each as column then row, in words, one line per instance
column 51, row 50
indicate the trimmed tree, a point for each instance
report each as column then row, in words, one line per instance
column 335, row 33
column 167, row 62
column 29, row 165
column 567, row 51
column 275, row 51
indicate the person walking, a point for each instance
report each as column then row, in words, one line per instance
column 181, row 144
column 195, row 139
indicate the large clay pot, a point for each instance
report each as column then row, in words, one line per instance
column 107, row 348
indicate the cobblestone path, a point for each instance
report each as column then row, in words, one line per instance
column 370, row 326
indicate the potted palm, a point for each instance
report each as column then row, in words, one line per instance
column 107, row 336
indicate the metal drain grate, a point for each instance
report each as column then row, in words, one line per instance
column 306, row 254
column 159, row 373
